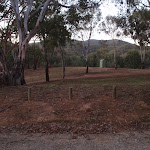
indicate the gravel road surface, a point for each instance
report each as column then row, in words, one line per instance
column 118, row 141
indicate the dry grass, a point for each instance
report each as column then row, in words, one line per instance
column 92, row 109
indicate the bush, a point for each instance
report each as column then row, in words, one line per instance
column 147, row 60
column 133, row 59
column 2, row 81
column 120, row 62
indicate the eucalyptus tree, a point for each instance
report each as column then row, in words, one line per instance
column 110, row 27
column 138, row 3
column 139, row 24
column 137, row 27
column 135, row 21
column 129, row 5
column 85, row 32
column 33, row 56
column 8, row 35
column 57, row 37
column 24, row 12
column 132, row 59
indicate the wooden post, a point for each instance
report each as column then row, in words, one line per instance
column 70, row 93
column 29, row 94
column 114, row 92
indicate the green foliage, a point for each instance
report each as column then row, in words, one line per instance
column 5, row 10
column 139, row 24
column 78, row 18
column 95, row 57
column 10, row 58
column 120, row 62
column 109, row 59
column 73, row 18
column 147, row 60
column 133, row 59
column 93, row 60
column 34, row 51
column 71, row 59
column 136, row 25
column 1, row 8
column 55, row 60
column 55, row 30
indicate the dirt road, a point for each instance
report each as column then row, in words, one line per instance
column 119, row 141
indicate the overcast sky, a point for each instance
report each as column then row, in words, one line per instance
column 109, row 9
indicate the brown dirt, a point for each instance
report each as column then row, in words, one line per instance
column 32, row 76
column 92, row 109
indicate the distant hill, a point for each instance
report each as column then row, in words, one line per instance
column 109, row 42
column 122, row 46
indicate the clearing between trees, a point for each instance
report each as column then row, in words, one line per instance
column 91, row 109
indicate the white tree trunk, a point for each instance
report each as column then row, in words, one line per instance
column 142, row 56
column 115, row 60
column 17, row 75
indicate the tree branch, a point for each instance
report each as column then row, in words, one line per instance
column 42, row 13
column 36, row 11
column 34, row 30
column 78, row 6
column 18, row 19
column 148, row 2
column 12, row 49
column 29, row 3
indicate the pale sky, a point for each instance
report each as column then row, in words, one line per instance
column 109, row 9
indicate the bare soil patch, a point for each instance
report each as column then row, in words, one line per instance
column 92, row 109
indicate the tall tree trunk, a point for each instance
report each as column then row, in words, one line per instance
column 46, row 63
column 142, row 65
column 115, row 61
column 87, row 66
column 35, row 62
column 47, row 71
column 28, row 62
column 63, row 63
column 17, row 74
column 142, row 57
column 87, row 50
column 3, row 61
column 5, row 75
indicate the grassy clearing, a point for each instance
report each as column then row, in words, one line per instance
column 96, row 76
column 54, row 73
column 92, row 82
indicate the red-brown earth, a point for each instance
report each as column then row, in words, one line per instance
column 92, row 108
